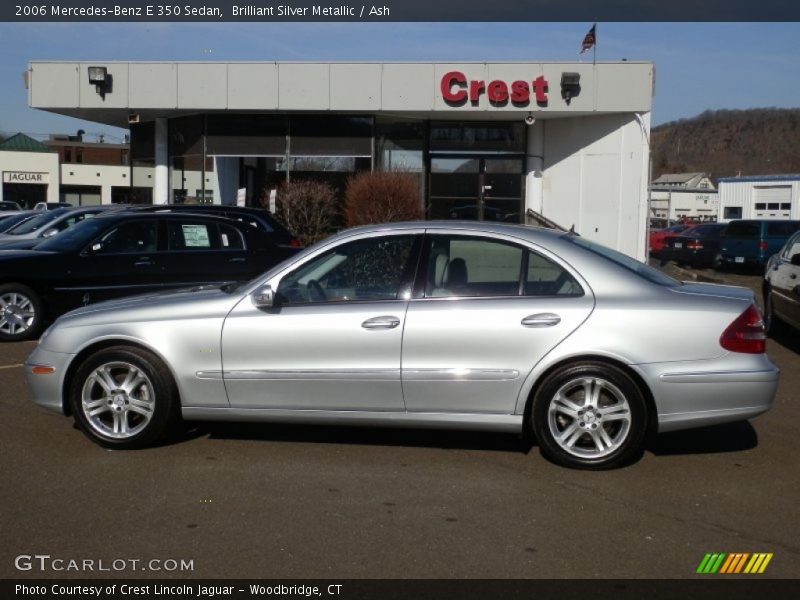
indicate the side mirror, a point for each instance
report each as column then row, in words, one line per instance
column 264, row 297
column 795, row 260
column 50, row 233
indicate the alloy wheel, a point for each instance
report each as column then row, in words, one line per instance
column 17, row 313
column 118, row 400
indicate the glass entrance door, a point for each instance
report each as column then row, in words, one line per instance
column 482, row 188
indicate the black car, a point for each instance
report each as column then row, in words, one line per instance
column 125, row 253
column 697, row 246
column 6, row 205
column 782, row 286
column 9, row 220
column 256, row 217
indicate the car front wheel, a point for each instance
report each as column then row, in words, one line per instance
column 124, row 397
column 20, row 313
column 589, row 416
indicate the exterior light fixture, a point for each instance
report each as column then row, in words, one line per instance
column 100, row 79
column 570, row 86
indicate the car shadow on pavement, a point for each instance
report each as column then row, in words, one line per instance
column 367, row 436
column 730, row 437
column 787, row 337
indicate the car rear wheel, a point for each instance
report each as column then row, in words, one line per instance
column 589, row 416
column 20, row 313
column 124, row 397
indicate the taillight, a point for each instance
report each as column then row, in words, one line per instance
column 295, row 243
column 746, row 334
column 762, row 245
column 694, row 245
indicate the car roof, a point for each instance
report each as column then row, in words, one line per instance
column 512, row 229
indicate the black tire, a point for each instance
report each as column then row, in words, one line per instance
column 622, row 415
column 149, row 410
column 21, row 318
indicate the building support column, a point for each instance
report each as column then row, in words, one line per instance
column 534, row 192
column 161, row 183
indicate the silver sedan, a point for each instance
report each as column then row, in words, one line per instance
column 431, row 324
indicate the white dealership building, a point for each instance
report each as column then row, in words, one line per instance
column 499, row 141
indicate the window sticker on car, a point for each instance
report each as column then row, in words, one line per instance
column 196, row 236
column 224, row 237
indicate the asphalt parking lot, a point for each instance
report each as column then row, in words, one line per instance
column 315, row 502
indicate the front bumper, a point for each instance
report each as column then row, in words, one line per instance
column 48, row 390
column 733, row 388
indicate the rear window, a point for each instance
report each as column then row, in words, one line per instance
column 743, row 229
column 783, row 228
column 623, row 260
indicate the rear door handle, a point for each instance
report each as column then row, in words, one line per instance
column 144, row 261
column 384, row 322
column 541, row 320
column 237, row 260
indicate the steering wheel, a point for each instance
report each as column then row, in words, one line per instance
column 315, row 291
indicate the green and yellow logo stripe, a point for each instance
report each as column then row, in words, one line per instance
column 733, row 563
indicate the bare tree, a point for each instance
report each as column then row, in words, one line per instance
column 308, row 209
column 382, row 197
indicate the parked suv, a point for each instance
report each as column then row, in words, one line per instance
column 257, row 217
column 750, row 242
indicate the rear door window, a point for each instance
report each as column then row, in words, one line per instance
column 743, row 229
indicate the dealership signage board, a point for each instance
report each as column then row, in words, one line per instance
column 25, row 177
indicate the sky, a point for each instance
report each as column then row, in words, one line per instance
column 699, row 66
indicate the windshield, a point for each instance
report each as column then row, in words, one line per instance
column 623, row 260
column 35, row 223
column 74, row 238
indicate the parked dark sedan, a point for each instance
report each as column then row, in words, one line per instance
column 697, row 246
column 121, row 254
column 12, row 219
column 782, row 286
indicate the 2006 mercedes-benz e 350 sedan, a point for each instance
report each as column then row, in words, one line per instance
column 430, row 324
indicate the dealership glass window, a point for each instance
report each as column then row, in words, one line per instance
column 732, row 212
column 476, row 137
column 330, row 136
column 246, row 135
column 186, row 162
column 142, row 153
column 400, row 146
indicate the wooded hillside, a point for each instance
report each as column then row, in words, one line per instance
column 726, row 143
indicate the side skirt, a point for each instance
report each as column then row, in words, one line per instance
column 477, row 422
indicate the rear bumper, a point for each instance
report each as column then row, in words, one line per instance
column 746, row 261
column 722, row 392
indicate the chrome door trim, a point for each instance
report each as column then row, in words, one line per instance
column 458, row 374
column 305, row 374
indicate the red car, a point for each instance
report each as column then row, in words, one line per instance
column 657, row 236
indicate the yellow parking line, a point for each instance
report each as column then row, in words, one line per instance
column 11, row 366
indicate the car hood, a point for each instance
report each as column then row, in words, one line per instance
column 168, row 304
column 719, row 291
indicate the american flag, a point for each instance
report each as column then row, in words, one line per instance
column 589, row 39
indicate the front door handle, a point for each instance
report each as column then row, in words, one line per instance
column 384, row 322
column 144, row 261
column 541, row 320
column 238, row 259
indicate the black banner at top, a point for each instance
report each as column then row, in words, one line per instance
column 398, row 10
